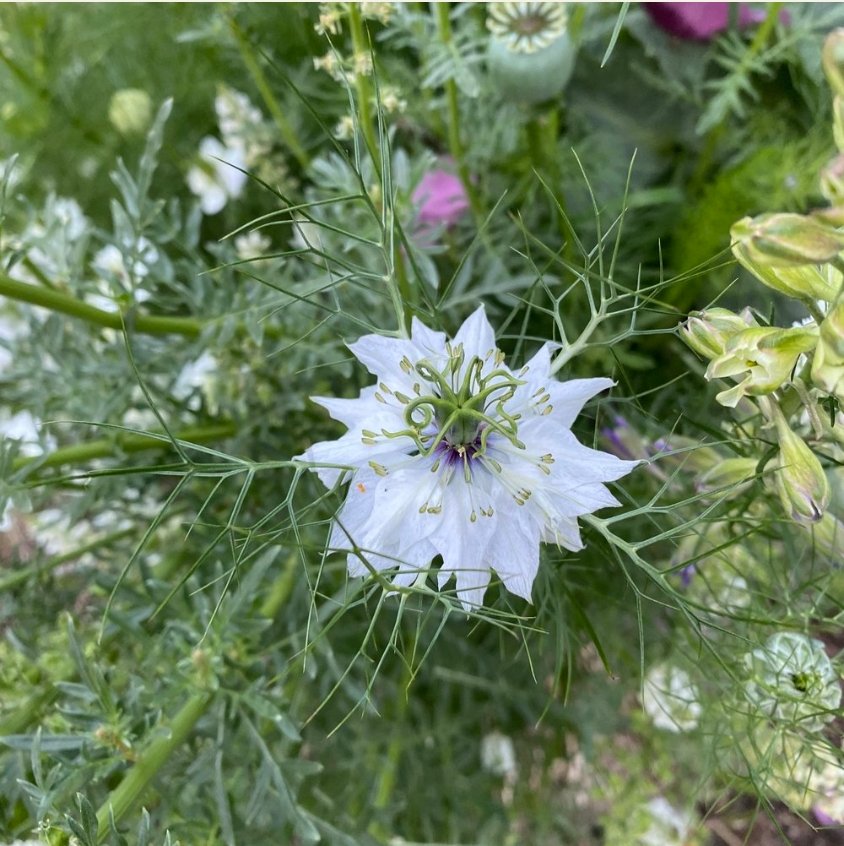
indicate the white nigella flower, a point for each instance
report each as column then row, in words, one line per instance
column 669, row 826
column 793, row 679
column 527, row 27
column 216, row 179
column 670, row 699
column 454, row 454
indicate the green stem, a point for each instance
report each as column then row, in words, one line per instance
column 280, row 588
column 66, row 304
column 360, row 45
column 455, row 144
column 124, row 796
column 259, row 78
column 22, row 575
column 125, row 442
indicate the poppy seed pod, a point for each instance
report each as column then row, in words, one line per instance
column 530, row 54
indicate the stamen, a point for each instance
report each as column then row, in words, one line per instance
column 380, row 398
column 380, row 469
column 384, row 388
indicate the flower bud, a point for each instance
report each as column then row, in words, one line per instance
column 707, row 332
column 838, row 123
column 130, row 111
column 828, row 361
column 832, row 59
column 800, row 479
column 786, row 240
column 832, row 180
column 766, row 354
column 736, row 472
column 806, row 282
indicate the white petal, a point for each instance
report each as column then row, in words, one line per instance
column 382, row 357
column 351, row 412
column 564, row 533
column 350, row 451
column 427, row 340
column 514, row 555
column 568, row 398
column 476, row 334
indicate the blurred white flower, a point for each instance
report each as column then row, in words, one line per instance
column 792, row 679
column 215, row 179
column 670, row 698
column 196, row 380
column 454, row 454
column 498, row 755
column 12, row 328
column 24, row 427
column 669, row 826
column 251, row 245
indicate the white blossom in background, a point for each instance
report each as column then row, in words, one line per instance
column 251, row 245
column 792, row 679
column 26, row 429
column 670, row 698
column 215, row 178
column 196, row 380
column 454, row 454
column 12, row 328
column 116, row 279
column 669, row 825
column 498, row 756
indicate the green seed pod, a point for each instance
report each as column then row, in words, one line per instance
column 800, row 479
column 828, row 361
column 530, row 54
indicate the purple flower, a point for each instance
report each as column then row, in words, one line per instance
column 441, row 198
column 700, row 21
column 822, row 818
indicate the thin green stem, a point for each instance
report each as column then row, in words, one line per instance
column 126, row 794
column 148, row 324
column 124, row 442
column 273, row 107
column 361, row 46
column 455, row 143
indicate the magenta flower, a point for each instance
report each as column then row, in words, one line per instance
column 700, row 21
column 441, row 198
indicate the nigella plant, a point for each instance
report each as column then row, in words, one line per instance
column 454, row 454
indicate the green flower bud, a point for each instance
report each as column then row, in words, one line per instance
column 832, row 59
column 130, row 111
column 787, row 240
column 766, row 354
column 806, row 281
column 838, row 123
column 828, row 361
column 707, row 332
column 736, row 472
column 800, row 479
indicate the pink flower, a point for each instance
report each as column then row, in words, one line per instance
column 441, row 198
column 700, row 21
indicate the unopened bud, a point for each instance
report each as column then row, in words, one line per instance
column 804, row 281
column 707, row 332
column 787, row 240
column 800, row 479
column 832, row 180
column 828, row 361
column 130, row 111
column 838, row 123
column 737, row 473
column 766, row 355
column 832, row 59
